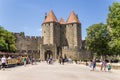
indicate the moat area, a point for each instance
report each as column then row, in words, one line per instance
column 44, row 71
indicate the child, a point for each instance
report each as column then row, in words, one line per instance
column 109, row 67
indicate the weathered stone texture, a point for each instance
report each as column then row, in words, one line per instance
column 46, row 33
column 58, row 38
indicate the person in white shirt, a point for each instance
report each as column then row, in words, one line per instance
column 3, row 61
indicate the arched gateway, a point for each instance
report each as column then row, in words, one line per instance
column 48, row 54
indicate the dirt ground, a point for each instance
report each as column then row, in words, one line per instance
column 44, row 71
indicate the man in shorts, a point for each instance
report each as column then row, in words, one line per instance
column 3, row 61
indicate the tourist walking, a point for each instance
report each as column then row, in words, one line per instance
column 94, row 65
column 103, row 65
column 109, row 66
column 91, row 64
column 25, row 61
column 63, row 61
column 60, row 60
column 31, row 60
column 4, row 62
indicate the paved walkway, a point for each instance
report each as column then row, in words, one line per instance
column 43, row 71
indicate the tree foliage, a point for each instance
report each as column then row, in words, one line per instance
column 113, row 22
column 97, row 39
column 105, row 39
column 7, row 41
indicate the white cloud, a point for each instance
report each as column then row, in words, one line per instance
column 40, row 29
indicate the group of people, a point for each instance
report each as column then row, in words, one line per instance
column 50, row 61
column 92, row 63
column 29, row 60
column 4, row 61
column 104, row 65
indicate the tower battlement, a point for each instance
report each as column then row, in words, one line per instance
column 20, row 35
column 58, row 38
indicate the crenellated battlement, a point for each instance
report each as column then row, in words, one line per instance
column 21, row 35
column 27, row 37
column 33, row 37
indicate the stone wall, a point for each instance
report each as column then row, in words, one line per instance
column 77, row 35
column 44, row 48
column 51, row 33
column 70, row 53
column 56, row 35
column 70, row 35
column 27, row 42
column 46, row 33
column 63, row 39
column 73, row 35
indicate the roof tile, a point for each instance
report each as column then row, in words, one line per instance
column 62, row 21
column 51, row 17
column 73, row 18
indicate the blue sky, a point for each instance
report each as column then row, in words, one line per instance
column 28, row 15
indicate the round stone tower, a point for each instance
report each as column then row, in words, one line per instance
column 73, row 31
column 51, row 30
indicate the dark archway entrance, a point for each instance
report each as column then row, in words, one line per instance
column 48, row 54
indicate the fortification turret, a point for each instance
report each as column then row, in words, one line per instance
column 73, row 30
column 51, row 29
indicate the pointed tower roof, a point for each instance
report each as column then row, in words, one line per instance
column 50, row 17
column 73, row 18
column 62, row 21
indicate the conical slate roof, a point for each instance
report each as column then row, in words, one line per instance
column 73, row 18
column 62, row 21
column 50, row 17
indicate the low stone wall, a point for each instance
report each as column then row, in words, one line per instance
column 113, row 65
column 116, row 67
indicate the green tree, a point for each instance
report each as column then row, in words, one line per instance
column 3, row 45
column 97, row 39
column 7, row 41
column 113, row 21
